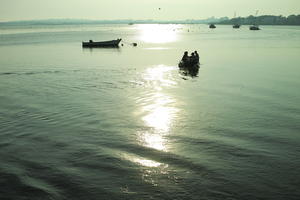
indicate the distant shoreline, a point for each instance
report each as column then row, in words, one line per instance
column 292, row 20
column 123, row 21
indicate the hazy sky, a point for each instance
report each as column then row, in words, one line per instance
column 141, row 9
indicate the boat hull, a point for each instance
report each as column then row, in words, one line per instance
column 111, row 43
column 254, row 28
column 189, row 69
column 212, row 26
column 189, row 66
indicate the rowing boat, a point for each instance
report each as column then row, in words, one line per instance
column 110, row 43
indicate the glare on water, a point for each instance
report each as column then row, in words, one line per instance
column 158, row 108
column 155, row 33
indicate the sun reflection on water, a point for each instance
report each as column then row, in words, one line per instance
column 158, row 108
column 159, row 76
column 158, row 33
column 155, row 141
column 147, row 163
column 159, row 114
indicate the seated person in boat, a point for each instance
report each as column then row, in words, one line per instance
column 90, row 41
column 197, row 56
column 193, row 59
column 185, row 57
column 189, row 61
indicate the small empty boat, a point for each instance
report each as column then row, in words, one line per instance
column 212, row 26
column 110, row 43
column 254, row 28
column 236, row 26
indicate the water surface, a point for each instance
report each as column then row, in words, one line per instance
column 127, row 124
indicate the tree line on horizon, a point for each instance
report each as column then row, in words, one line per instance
column 250, row 20
column 264, row 20
column 116, row 21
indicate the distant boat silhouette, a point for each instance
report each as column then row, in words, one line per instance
column 254, row 27
column 111, row 43
column 236, row 25
column 212, row 26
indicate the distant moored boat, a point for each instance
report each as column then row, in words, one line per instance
column 254, row 28
column 236, row 26
column 212, row 26
column 110, row 43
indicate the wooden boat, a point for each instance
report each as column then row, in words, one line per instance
column 111, row 43
column 212, row 26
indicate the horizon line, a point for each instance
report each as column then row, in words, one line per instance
column 163, row 20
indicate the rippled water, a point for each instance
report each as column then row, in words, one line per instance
column 127, row 124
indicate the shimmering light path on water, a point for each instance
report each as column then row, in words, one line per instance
column 127, row 124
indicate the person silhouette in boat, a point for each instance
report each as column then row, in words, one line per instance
column 197, row 58
column 185, row 57
column 193, row 59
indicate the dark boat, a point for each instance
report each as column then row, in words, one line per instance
column 236, row 26
column 254, row 28
column 212, row 26
column 111, row 43
column 188, row 65
column 189, row 69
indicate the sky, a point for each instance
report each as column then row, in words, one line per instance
column 11, row 10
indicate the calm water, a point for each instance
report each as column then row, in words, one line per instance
column 126, row 124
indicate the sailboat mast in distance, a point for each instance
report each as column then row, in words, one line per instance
column 236, row 24
column 255, row 27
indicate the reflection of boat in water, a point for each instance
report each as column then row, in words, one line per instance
column 111, row 43
column 212, row 26
column 188, row 68
column 130, row 23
